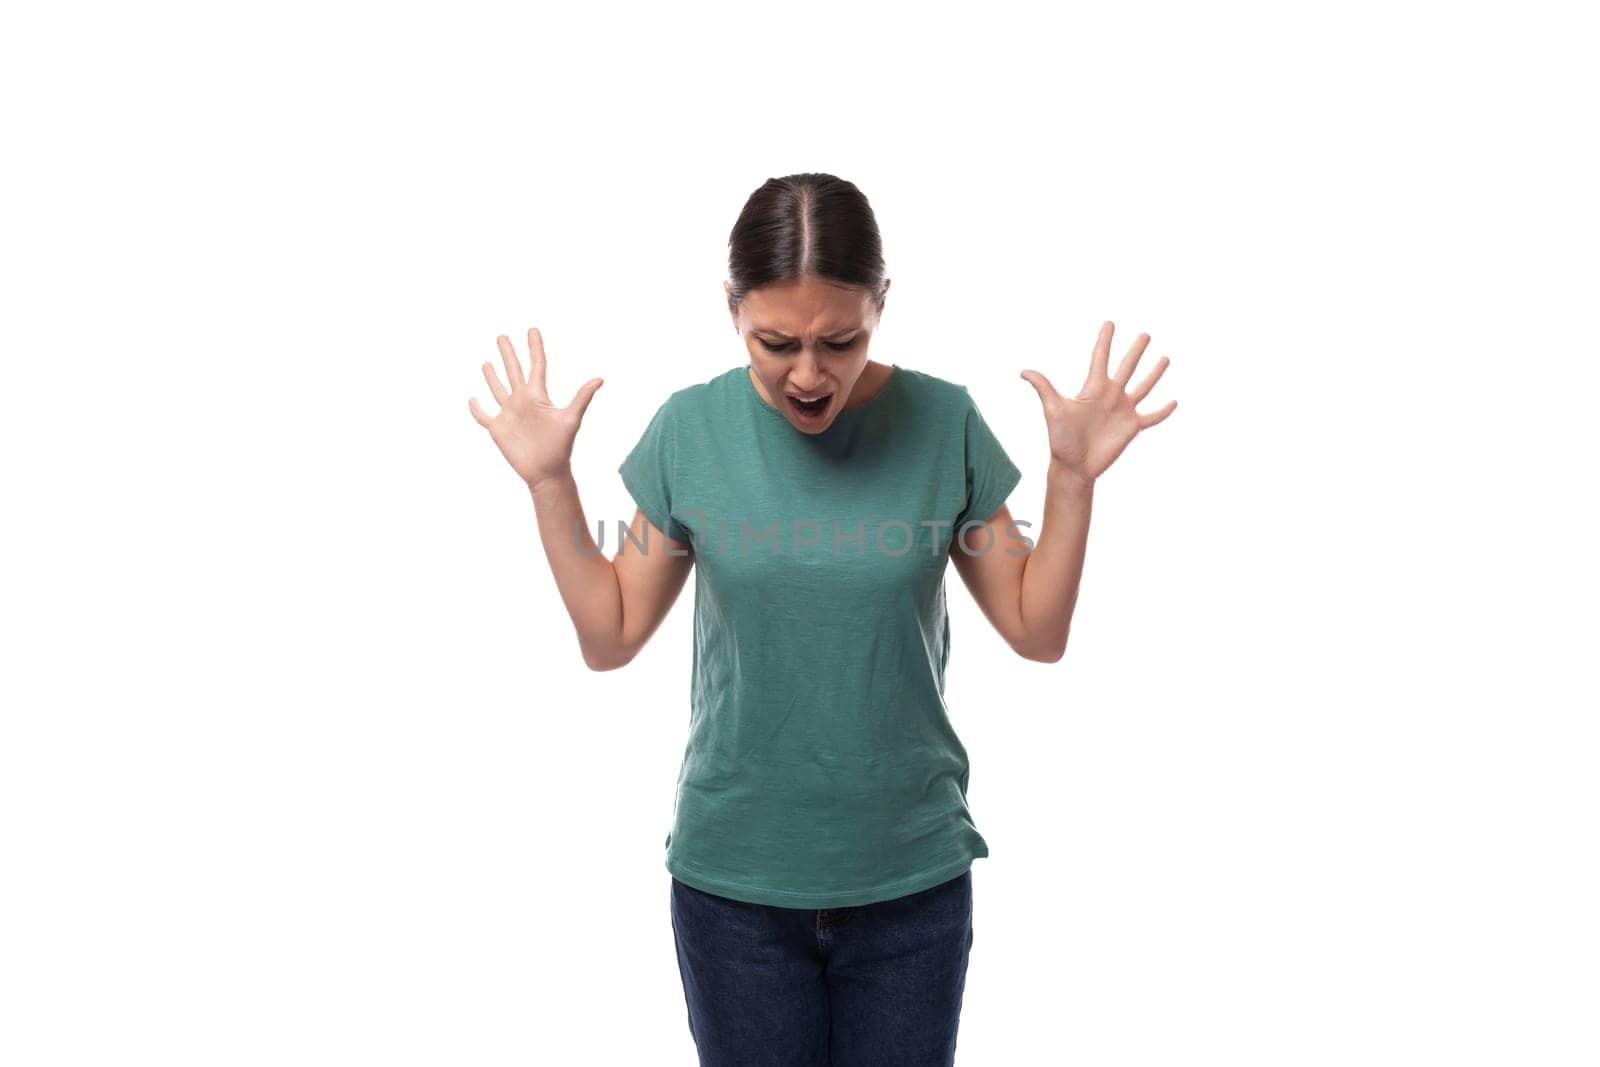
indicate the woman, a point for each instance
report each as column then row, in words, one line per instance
column 821, row 846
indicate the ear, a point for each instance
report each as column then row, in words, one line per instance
column 727, row 295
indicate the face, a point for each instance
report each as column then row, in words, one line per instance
column 808, row 338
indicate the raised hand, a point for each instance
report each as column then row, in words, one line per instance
column 534, row 435
column 1089, row 431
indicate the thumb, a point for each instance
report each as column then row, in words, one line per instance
column 580, row 402
column 1041, row 385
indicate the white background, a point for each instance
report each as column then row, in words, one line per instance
column 300, row 762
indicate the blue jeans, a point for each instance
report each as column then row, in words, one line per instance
column 876, row 984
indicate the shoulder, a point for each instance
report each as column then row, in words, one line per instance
column 720, row 389
column 932, row 394
column 699, row 400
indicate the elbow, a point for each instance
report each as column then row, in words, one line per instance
column 1046, row 652
column 604, row 663
column 598, row 658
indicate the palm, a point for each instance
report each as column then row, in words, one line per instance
column 533, row 434
column 1089, row 431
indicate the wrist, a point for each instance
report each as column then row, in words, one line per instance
column 545, row 481
column 1067, row 477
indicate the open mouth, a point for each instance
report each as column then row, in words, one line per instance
column 811, row 409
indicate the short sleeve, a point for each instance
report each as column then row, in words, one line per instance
column 647, row 472
column 990, row 474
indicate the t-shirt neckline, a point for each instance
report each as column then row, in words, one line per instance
column 895, row 374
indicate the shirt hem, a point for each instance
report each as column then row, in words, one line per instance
column 783, row 898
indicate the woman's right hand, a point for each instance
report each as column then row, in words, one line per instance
column 533, row 434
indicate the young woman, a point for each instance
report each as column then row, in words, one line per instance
column 821, row 847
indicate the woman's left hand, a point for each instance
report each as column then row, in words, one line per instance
column 1089, row 431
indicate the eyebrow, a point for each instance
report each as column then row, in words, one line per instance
column 786, row 337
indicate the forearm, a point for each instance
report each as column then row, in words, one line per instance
column 1052, row 571
column 585, row 578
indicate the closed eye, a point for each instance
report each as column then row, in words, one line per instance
column 839, row 346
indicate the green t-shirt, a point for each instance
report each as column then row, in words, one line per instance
column 821, row 768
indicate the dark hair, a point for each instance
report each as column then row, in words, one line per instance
column 813, row 225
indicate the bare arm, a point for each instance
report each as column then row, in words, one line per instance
column 1029, row 599
column 617, row 604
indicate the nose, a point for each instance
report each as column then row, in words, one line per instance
column 806, row 376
